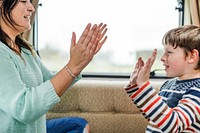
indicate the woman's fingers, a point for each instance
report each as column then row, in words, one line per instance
column 91, row 40
column 73, row 40
column 102, row 28
column 99, row 45
column 101, row 38
column 84, row 34
column 92, row 45
column 96, row 41
column 91, row 36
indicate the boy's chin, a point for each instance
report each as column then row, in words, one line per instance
column 170, row 75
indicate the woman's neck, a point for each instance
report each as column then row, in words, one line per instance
column 12, row 33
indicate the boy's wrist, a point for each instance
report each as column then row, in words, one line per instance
column 130, row 86
column 142, row 84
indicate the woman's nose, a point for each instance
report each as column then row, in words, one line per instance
column 30, row 7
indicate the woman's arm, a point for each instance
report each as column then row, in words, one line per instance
column 81, row 53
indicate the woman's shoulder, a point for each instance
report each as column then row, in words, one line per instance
column 4, row 49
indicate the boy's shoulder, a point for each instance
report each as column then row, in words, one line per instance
column 181, row 84
column 169, row 82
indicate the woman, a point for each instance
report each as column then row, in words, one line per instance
column 27, row 89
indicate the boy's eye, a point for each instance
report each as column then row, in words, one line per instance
column 169, row 52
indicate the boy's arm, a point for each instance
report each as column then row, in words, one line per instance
column 167, row 119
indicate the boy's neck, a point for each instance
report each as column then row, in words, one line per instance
column 190, row 75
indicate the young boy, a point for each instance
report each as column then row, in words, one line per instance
column 176, row 108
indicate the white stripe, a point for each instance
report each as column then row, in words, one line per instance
column 197, row 124
column 156, row 113
column 143, row 91
column 154, row 129
column 190, row 112
column 172, row 123
column 153, row 107
column 189, row 96
column 180, row 124
column 195, row 88
column 149, row 102
column 174, row 91
column 167, row 121
column 164, row 98
column 162, row 116
column 183, row 118
column 144, row 98
column 193, row 104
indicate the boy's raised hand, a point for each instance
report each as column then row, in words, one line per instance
column 134, row 75
column 144, row 71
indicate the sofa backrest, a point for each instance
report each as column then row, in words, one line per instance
column 105, row 104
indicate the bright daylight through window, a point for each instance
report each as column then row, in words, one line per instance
column 135, row 28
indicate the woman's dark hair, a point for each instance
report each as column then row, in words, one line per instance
column 5, row 11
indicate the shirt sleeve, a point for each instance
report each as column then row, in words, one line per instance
column 16, row 99
column 176, row 119
column 49, row 74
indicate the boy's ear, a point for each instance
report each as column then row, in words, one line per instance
column 193, row 56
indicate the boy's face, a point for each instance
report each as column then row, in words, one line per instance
column 175, row 62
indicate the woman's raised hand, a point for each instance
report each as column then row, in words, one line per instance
column 89, row 43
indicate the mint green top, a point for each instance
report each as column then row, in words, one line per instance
column 26, row 92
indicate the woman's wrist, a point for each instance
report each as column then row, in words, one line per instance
column 75, row 70
column 71, row 73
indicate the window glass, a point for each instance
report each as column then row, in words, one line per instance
column 135, row 28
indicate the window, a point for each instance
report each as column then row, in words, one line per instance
column 135, row 28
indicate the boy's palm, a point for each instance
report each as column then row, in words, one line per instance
column 144, row 71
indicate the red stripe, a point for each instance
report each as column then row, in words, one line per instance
column 140, row 89
column 191, row 130
column 165, row 118
column 153, row 103
column 177, row 124
column 184, row 100
column 131, row 87
column 187, row 121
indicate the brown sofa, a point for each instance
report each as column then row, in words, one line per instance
column 104, row 104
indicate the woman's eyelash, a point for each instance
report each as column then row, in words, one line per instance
column 23, row 1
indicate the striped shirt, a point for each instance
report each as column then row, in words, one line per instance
column 176, row 108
